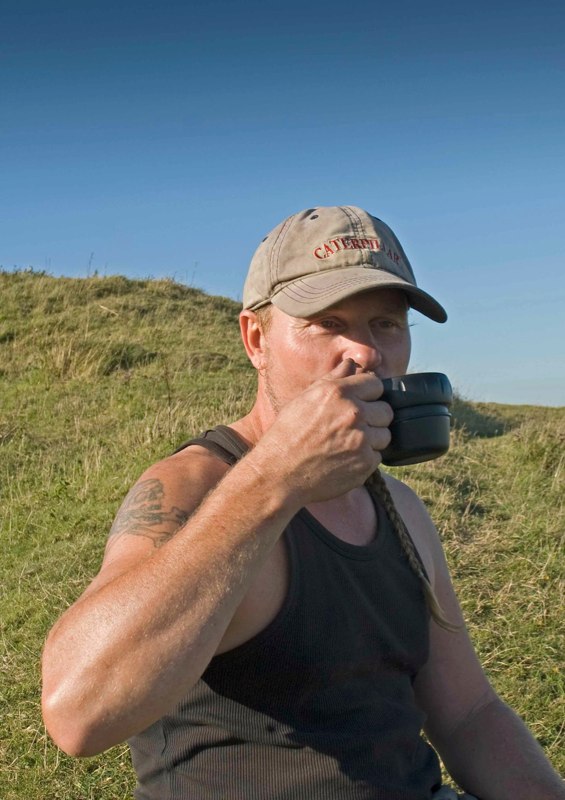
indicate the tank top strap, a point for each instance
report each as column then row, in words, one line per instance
column 222, row 441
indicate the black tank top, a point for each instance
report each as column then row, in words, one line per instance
column 320, row 704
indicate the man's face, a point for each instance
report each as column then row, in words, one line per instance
column 370, row 328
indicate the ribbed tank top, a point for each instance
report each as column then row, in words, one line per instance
column 320, row 704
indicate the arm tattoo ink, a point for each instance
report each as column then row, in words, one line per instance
column 142, row 514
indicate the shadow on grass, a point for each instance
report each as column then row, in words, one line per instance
column 477, row 421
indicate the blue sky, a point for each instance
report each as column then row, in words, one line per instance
column 166, row 139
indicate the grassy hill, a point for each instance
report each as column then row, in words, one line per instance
column 100, row 377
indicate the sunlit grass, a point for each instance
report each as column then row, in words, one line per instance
column 100, row 377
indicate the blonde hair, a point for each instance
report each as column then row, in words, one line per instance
column 264, row 315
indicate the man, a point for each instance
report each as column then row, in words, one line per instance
column 259, row 627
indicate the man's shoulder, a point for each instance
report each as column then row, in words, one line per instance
column 418, row 521
column 187, row 475
column 188, row 469
column 161, row 501
column 403, row 495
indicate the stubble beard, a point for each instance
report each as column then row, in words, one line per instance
column 270, row 391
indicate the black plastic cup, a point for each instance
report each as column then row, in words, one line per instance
column 421, row 424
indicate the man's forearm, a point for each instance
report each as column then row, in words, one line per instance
column 494, row 756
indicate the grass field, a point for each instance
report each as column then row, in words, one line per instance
column 100, row 377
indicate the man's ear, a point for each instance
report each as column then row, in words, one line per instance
column 253, row 338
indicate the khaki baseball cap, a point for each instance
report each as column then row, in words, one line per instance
column 320, row 256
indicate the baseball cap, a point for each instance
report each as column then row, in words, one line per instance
column 323, row 255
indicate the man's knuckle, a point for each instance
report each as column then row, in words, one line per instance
column 330, row 389
column 384, row 437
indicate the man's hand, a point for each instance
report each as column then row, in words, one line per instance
column 328, row 440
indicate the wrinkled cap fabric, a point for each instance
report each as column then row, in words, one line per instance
column 320, row 256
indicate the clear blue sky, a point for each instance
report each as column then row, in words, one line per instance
column 166, row 138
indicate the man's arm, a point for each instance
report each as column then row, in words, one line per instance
column 144, row 632
column 484, row 745
column 493, row 755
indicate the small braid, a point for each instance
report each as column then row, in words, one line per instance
column 377, row 483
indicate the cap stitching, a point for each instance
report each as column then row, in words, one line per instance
column 302, row 285
column 419, row 299
column 355, row 221
column 276, row 248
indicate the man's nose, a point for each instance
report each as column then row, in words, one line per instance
column 366, row 355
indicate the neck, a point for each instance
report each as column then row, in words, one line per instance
column 255, row 425
column 351, row 516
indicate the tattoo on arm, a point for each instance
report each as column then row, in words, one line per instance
column 142, row 514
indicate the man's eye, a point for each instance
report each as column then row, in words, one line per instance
column 328, row 324
column 389, row 325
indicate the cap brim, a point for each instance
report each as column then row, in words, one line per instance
column 308, row 296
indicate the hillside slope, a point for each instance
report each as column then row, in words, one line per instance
column 99, row 377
